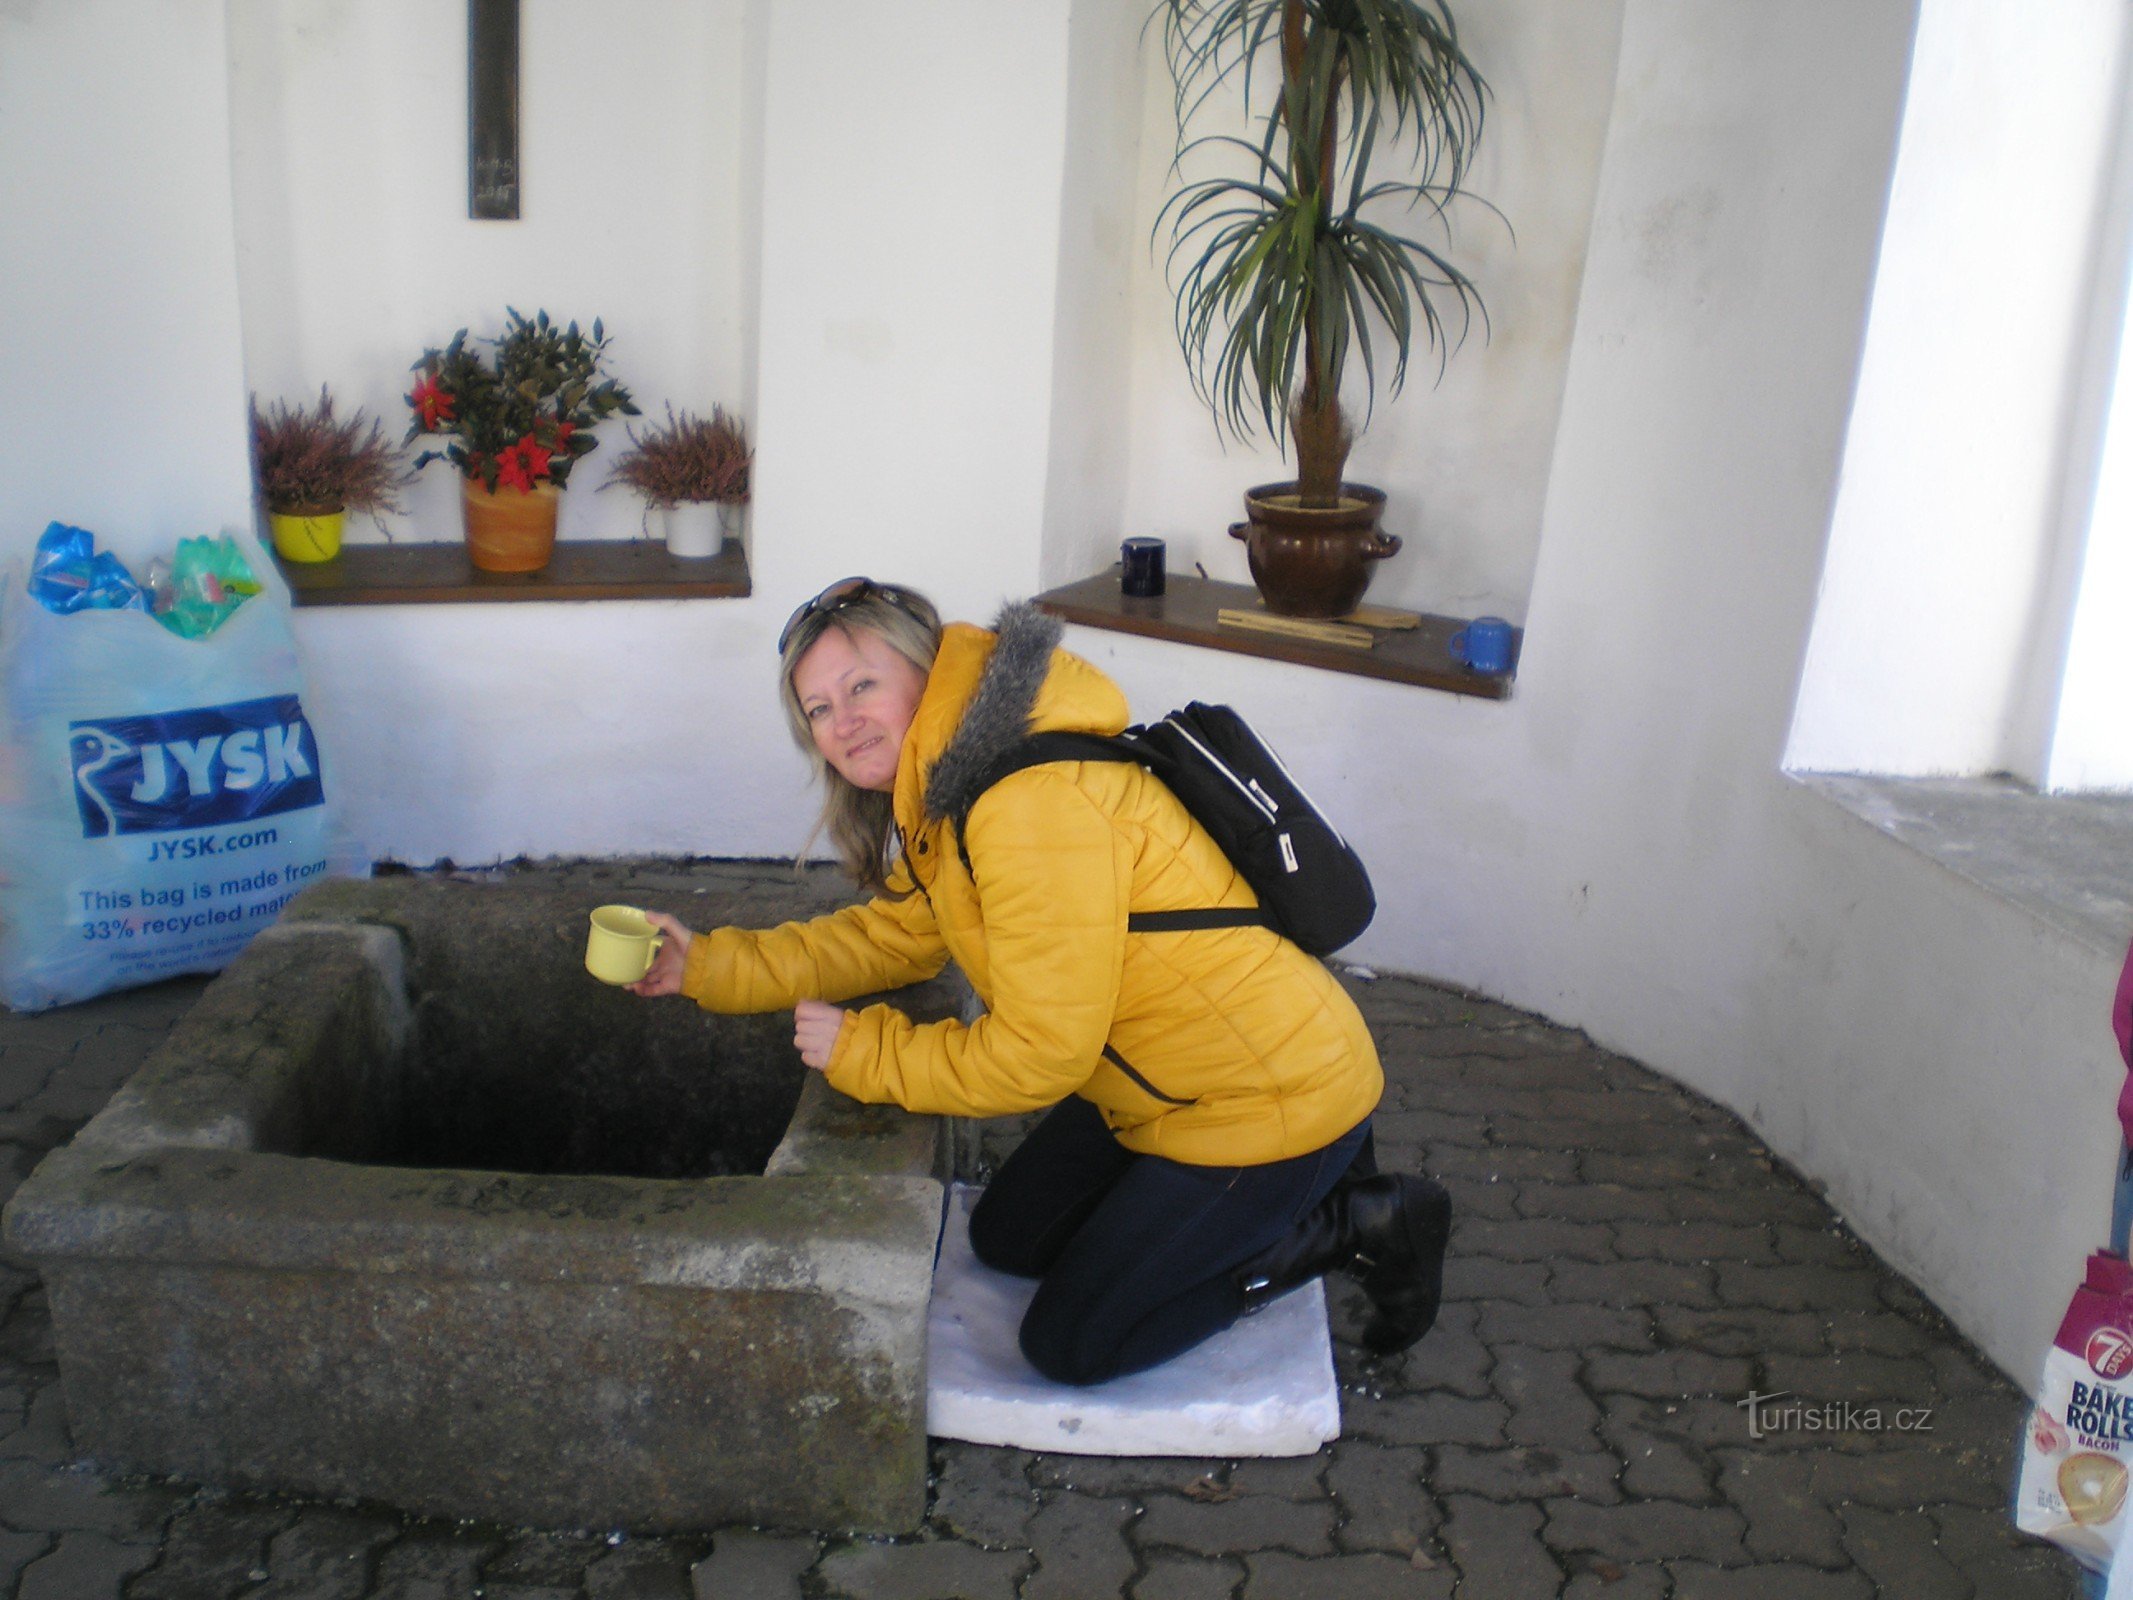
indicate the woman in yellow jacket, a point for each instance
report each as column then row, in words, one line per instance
column 1212, row 1090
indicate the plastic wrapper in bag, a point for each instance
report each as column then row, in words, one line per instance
column 208, row 580
column 68, row 575
column 161, row 798
column 2077, row 1453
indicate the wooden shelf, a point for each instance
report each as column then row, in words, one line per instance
column 1186, row 614
column 439, row 573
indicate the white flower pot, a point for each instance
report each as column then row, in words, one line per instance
column 693, row 528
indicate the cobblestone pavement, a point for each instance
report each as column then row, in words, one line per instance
column 1628, row 1264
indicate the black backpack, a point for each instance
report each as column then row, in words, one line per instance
column 1312, row 887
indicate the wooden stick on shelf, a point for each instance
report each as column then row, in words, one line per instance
column 1334, row 633
column 1375, row 617
column 1383, row 617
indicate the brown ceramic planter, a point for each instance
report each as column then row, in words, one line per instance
column 510, row 530
column 1308, row 561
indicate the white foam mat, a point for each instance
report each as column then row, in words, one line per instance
column 1264, row 1387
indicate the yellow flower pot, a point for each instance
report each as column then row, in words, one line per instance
column 301, row 536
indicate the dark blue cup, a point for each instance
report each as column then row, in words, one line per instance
column 1141, row 568
column 1483, row 645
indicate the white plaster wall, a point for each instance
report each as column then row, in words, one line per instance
column 119, row 344
column 913, row 171
column 1616, row 845
column 480, row 733
column 2090, row 740
column 1938, row 595
column 1091, row 444
column 905, row 250
column 2092, row 746
column 1464, row 463
column 954, row 377
column 355, row 251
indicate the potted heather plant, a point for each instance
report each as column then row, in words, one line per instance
column 518, row 419
column 1287, row 267
column 694, row 473
column 312, row 469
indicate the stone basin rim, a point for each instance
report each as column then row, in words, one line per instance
column 219, row 1208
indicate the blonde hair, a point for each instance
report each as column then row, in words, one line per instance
column 861, row 823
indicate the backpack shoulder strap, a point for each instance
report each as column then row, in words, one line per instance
column 1039, row 748
column 1035, row 750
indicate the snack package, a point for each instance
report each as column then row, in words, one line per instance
column 2078, row 1449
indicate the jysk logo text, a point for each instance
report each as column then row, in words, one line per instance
column 194, row 769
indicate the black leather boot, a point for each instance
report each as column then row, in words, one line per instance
column 1389, row 1231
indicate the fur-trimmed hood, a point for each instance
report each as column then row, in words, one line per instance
column 987, row 691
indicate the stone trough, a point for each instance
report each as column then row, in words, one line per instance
column 410, row 1208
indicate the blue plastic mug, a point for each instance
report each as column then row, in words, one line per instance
column 1483, row 645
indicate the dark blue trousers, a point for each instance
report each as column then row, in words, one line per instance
column 1137, row 1253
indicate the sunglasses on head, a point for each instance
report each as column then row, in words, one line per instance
column 842, row 593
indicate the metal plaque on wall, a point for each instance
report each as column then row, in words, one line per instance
column 492, row 110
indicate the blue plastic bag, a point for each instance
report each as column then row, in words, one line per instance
column 161, row 798
column 67, row 575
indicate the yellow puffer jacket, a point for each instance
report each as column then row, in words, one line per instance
column 1217, row 1047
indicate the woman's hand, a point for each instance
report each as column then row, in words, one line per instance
column 814, row 1031
column 665, row 976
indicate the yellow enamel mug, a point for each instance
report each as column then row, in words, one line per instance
column 621, row 945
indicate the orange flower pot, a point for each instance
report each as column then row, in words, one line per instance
column 510, row 530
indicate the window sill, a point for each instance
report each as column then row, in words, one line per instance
column 1185, row 613
column 439, row 573
column 2066, row 859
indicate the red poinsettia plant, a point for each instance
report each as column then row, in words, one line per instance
column 520, row 416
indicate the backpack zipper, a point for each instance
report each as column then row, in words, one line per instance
column 1258, row 803
column 1282, row 767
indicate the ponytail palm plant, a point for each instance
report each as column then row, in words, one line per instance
column 1280, row 274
